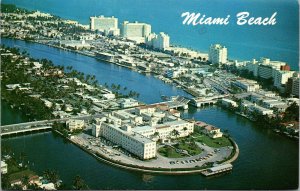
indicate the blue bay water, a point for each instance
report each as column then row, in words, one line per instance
column 267, row 160
column 278, row 42
column 150, row 88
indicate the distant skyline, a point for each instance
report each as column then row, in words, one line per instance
column 278, row 42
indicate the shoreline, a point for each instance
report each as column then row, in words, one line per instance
column 164, row 171
column 108, row 62
column 182, row 87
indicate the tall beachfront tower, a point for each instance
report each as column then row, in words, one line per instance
column 160, row 41
column 105, row 24
column 217, row 54
column 135, row 31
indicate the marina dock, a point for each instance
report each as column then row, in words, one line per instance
column 217, row 169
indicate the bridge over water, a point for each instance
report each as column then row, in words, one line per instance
column 37, row 125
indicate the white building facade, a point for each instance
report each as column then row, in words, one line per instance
column 160, row 41
column 123, row 136
column 247, row 85
column 109, row 25
column 281, row 77
column 74, row 124
column 135, row 31
column 138, row 129
column 295, row 87
column 217, row 54
column 3, row 167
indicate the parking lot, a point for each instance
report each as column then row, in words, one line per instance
column 118, row 154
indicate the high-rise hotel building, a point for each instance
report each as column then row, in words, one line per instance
column 108, row 25
column 160, row 41
column 135, row 31
column 217, row 54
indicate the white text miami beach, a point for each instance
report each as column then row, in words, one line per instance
column 242, row 18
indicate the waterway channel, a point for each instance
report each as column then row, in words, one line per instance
column 266, row 161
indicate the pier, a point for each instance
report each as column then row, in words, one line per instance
column 217, row 169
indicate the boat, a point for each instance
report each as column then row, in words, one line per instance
column 276, row 130
column 105, row 56
column 165, row 98
column 217, row 169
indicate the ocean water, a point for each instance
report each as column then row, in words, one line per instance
column 278, row 42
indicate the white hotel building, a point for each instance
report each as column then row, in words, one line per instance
column 247, row 85
column 123, row 136
column 160, row 41
column 265, row 68
column 281, row 77
column 74, row 124
column 138, row 129
column 217, row 54
column 135, row 31
column 108, row 25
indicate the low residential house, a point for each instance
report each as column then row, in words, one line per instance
column 34, row 180
column 17, row 178
column 260, row 110
column 249, row 107
column 68, row 108
column 12, row 86
column 74, row 124
column 209, row 130
column 109, row 96
column 3, row 167
column 175, row 112
column 47, row 103
column 48, row 186
column 125, row 103
column 229, row 103
column 61, row 114
column 292, row 127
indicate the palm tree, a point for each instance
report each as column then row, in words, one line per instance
column 118, row 87
column 22, row 157
column 46, row 174
column 79, row 184
column 69, row 68
column 156, row 134
column 5, row 184
column 174, row 133
column 16, row 187
column 33, row 187
column 25, row 181
column 113, row 86
column 53, row 177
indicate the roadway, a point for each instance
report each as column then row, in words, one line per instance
column 7, row 129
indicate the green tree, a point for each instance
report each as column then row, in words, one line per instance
column 292, row 113
column 25, row 180
column 79, row 184
column 5, row 182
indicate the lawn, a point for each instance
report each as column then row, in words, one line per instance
column 170, row 152
column 216, row 143
column 191, row 148
column 19, row 175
